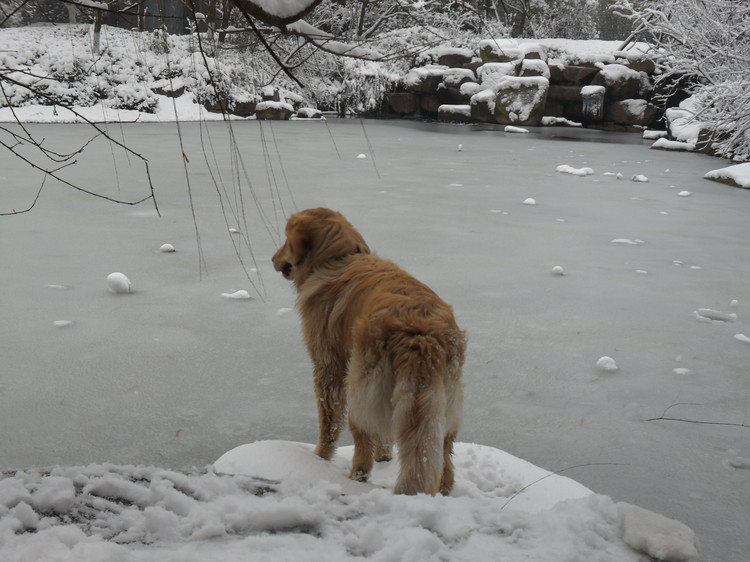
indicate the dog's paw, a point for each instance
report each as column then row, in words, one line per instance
column 358, row 475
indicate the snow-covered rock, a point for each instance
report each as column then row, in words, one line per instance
column 520, row 101
column 737, row 175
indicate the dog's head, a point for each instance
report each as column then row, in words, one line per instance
column 313, row 238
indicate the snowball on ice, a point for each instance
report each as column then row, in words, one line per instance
column 166, row 248
column 565, row 169
column 529, row 201
column 242, row 294
column 61, row 323
column 606, row 364
column 684, row 193
column 512, row 129
column 558, row 270
column 742, row 337
column 118, row 283
column 361, row 156
column 639, row 178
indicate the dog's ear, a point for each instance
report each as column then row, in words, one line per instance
column 323, row 235
column 298, row 238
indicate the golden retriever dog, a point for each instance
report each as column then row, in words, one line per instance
column 380, row 341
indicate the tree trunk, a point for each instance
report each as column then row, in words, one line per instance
column 226, row 12
column 97, row 31
column 71, row 13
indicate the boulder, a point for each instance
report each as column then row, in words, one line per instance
column 622, row 83
column 401, row 103
column 453, row 57
column 566, row 94
column 309, row 113
column 483, row 106
column 451, row 96
column 499, row 50
column 455, row 77
column 470, row 88
column 424, row 79
column 637, row 61
column 520, row 100
column 534, row 67
column 244, row 108
column 534, row 51
column 631, row 112
column 273, row 110
column 572, row 74
column 454, row 113
column 270, row 93
column 429, row 104
column 493, row 72
column 173, row 88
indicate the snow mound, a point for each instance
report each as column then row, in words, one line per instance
column 281, row 502
column 656, row 535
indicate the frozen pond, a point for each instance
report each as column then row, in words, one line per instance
column 175, row 374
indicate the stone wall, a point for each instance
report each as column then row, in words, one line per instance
column 520, row 85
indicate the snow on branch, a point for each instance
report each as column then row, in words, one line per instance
column 278, row 13
column 709, row 42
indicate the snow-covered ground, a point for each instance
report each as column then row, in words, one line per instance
column 651, row 274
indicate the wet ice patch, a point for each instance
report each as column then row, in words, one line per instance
column 626, row 241
column 711, row 315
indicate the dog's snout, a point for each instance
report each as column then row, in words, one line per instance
column 286, row 269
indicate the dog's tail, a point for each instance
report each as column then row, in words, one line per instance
column 420, row 402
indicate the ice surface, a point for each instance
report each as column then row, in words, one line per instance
column 174, row 375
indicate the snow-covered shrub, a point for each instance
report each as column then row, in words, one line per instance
column 707, row 41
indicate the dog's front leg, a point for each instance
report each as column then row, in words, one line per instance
column 331, row 394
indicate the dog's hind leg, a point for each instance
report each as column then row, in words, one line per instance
column 446, row 483
column 419, row 415
column 331, row 394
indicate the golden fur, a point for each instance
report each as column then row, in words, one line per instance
column 381, row 341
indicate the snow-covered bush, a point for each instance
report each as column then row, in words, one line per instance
column 707, row 41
